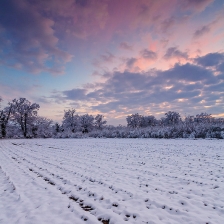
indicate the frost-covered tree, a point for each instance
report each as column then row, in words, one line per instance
column 147, row 121
column 4, row 119
column 203, row 118
column 219, row 121
column 172, row 118
column 86, row 122
column 99, row 122
column 42, row 127
column 134, row 120
column 19, row 119
column 24, row 113
column 189, row 119
column 70, row 120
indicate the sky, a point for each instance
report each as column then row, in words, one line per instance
column 113, row 57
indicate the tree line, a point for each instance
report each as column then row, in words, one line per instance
column 20, row 119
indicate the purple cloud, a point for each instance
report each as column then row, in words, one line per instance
column 125, row 46
column 147, row 54
column 173, row 52
column 200, row 32
column 212, row 59
column 103, row 59
column 76, row 94
column 220, row 68
column 108, row 57
column 188, row 83
column 167, row 24
column 32, row 44
column 130, row 62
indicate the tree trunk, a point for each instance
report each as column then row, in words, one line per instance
column 3, row 130
column 25, row 126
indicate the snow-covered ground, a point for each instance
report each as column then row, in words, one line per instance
column 111, row 181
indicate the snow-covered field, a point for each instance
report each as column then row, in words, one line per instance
column 111, row 181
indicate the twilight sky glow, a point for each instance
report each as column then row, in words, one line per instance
column 113, row 57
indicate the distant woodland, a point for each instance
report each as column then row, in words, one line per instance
column 20, row 120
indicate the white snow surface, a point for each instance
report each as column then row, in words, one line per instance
column 111, row 181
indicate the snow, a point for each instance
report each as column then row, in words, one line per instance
column 111, row 181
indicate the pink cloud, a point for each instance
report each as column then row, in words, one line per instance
column 54, row 28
